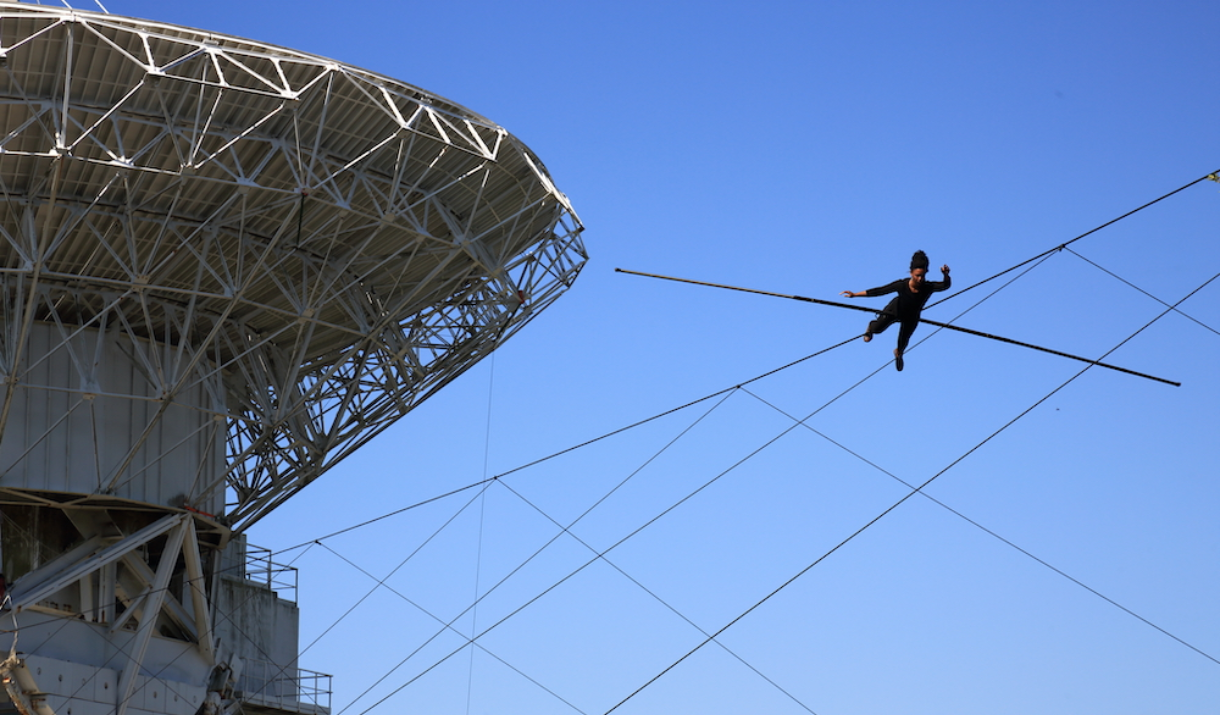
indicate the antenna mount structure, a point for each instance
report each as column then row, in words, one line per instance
column 224, row 266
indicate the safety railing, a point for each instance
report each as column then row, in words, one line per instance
column 277, row 577
column 290, row 689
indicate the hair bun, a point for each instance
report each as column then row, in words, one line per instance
column 919, row 260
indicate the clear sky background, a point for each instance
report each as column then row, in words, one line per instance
column 1066, row 557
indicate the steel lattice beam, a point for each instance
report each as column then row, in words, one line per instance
column 269, row 257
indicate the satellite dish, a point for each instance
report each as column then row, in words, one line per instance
column 224, row 266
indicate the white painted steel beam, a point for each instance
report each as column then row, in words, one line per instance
column 151, row 607
column 89, row 557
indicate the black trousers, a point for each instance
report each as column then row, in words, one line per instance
column 906, row 327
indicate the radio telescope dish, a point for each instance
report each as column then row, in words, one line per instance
column 224, row 266
column 284, row 255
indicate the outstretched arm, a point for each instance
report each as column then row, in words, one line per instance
column 874, row 292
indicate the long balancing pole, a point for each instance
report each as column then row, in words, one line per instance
column 947, row 326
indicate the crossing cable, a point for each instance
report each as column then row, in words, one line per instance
column 478, row 560
column 449, row 626
column 667, row 510
column 725, row 392
column 1141, row 290
column 624, row 539
column 562, row 452
column 1090, row 232
column 982, row 528
column 393, row 571
column 585, row 565
column 910, row 494
column 567, row 530
column 529, row 559
column 660, row 600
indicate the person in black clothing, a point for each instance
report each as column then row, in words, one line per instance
column 906, row 307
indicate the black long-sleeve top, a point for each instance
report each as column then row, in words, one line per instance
column 908, row 304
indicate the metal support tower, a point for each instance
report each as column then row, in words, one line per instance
column 224, row 266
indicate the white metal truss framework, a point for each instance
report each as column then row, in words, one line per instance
column 294, row 250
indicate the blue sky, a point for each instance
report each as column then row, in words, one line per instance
column 1070, row 561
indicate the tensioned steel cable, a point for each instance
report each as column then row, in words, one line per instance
column 725, row 393
column 1107, row 271
column 562, row 452
column 581, row 568
column 984, row 529
column 903, row 500
column 662, row 601
column 624, row 539
column 449, row 626
column 534, row 555
column 393, row 571
column 478, row 559
column 1212, row 176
